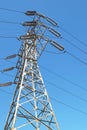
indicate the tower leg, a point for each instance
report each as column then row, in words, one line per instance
column 31, row 107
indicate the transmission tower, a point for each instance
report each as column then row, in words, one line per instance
column 31, row 106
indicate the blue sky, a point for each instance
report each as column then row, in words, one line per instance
column 72, row 16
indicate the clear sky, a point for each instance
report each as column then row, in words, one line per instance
column 70, row 90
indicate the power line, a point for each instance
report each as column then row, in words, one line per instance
column 11, row 10
column 62, row 77
column 74, row 56
column 58, row 101
column 6, row 74
column 72, row 94
column 72, row 44
column 7, row 60
column 73, row 36
column 4, row 91
column 69, row 42
column 2, row 36
column 69, row 106
column 9, row 22
column 66, row 91
column 77, row 58
column 50, row 52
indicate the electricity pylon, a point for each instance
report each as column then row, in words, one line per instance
column 31, row 106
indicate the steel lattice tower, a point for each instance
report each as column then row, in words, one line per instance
column 31, row 106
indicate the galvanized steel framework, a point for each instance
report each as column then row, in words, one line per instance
column 31, row 107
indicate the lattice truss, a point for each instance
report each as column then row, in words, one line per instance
column 31, row 107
